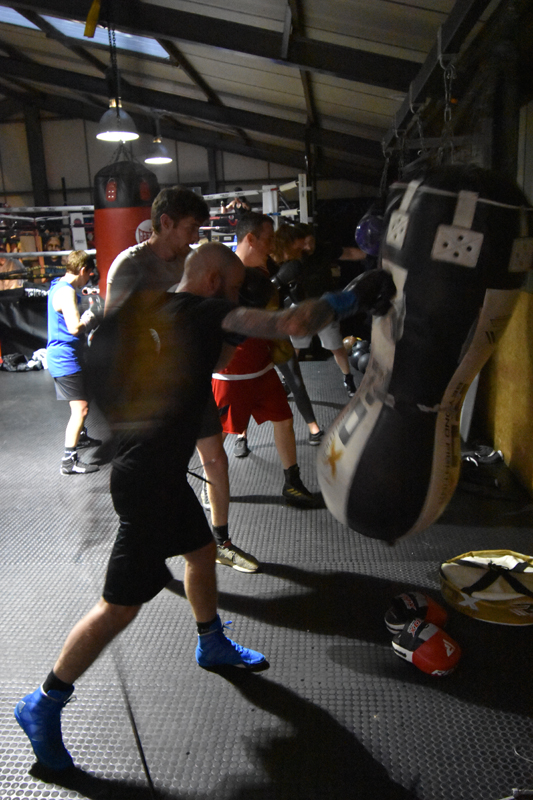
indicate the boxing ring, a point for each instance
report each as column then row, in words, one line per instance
column 23, row 311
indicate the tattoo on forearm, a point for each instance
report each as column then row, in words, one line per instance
column 315, row 314
column 307, row 317
column 251, row 322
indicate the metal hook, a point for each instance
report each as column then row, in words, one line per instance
column 443, row 57
column 439, row 46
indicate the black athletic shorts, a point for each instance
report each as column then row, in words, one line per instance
column 156, row 522
column 211, row 424
column 71, row 387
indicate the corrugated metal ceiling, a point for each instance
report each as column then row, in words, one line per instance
column 274, row 80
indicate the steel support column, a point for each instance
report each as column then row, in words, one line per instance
column 34, row 137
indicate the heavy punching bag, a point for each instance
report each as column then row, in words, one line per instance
column 457, row 243
column 123, row 195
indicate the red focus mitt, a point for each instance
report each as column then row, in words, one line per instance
column 427, row 647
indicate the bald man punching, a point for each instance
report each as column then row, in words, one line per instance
column 156, row 412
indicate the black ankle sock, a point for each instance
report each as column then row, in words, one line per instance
column 203, row 627
column 53, row 683
column 220, row 532
column 69, row 452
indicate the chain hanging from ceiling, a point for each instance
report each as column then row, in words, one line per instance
column 446, row 151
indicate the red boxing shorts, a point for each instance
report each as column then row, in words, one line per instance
column 262, row 398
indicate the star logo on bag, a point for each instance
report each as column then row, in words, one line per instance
column 332, row 459
column 468, row 601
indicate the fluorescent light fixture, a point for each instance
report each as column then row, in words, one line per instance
column 116, row 124
column 158, row 153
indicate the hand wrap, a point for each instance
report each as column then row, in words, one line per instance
column 344, row 304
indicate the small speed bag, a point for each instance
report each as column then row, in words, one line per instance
column 457, row 243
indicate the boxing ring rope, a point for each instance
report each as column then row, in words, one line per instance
column 33, row 215
column 36, row 214
column 270, row 197
column 46, row 253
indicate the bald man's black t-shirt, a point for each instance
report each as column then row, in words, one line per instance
column 153, row 360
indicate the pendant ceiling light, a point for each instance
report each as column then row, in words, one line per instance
column 157, row 152
column 116, row 124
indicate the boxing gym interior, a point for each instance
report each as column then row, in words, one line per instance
column 321, row 114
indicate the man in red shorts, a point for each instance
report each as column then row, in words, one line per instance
column 250, row 386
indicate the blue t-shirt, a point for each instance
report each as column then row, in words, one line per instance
column 63, row 351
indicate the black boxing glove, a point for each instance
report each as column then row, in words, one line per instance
column 288, row 273
column 256, row 290
column 370, row 292
column 411, row 605
column 375, row 290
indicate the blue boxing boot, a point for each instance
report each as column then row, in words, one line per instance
column 39, row 716
column 214, row 649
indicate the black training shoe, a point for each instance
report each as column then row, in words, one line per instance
column 87, row 441
column 349, row 384
column 316, row 438
column 296, row 494
column 73, row 466
column 240, row 448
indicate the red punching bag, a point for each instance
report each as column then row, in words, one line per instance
column 124, row 192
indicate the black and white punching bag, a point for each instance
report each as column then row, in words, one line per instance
column 457, row 243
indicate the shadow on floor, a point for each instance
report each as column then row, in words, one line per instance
column 263, row 499
column 96, row 788
column 321, row 759
column 494, row 671
column 338, row 603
